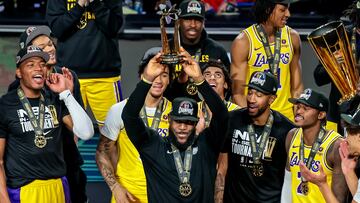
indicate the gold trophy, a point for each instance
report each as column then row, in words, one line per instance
column 169, row 13
column 330, row 43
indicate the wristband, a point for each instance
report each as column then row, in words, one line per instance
column 199, row 83
column 146, row 81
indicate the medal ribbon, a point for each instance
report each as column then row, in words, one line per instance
column 207, row 114
column 257, row 150
column 314, row 148
column 273, row 59
column 38, row 125
column 157, row 116
column 183, row 168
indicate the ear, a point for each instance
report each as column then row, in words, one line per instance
column 272, row 99
column 322, row 115
column 18, row 73
column 226, row 85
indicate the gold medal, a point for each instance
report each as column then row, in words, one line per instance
column 40, row 141
column 258, row 170
column 304, row 188
column 191, row 88
column 185, row 189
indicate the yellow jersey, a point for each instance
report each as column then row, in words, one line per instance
column 257, row 61
column 129, row 169
column 319, row 159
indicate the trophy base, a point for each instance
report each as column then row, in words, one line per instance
column 170, row 59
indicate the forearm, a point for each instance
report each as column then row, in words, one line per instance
column 220, row 178
column 239, row 99
column 4, row 197
column 104, row 162
column 82, row 124
column 352, row 182
column 108, row 16
column 327, row 193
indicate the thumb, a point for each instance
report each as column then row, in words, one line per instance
column 131, row 197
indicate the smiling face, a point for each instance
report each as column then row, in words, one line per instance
column 279, row 16
column 191, row 29
column 306, row 116
column 182, row 129
column 47, row 45
column 160, row 83
column 32, row 74
column 258, row 102
column 216, row 79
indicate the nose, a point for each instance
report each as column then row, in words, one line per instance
column 182, row 126
column 251, row 98
column 287, row 13
column 192, row 22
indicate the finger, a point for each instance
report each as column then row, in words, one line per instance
column 132, row 198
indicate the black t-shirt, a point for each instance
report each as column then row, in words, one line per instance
column 24, row 162
column 156, row 154
column 240, row 184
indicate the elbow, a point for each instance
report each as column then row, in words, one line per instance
column 86, row 133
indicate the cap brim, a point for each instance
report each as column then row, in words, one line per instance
column 41, row 54
column 42, row 30
column 348, row 119
column 192, row 15
column 184, row 118
column 295, row 101
column 258, row 88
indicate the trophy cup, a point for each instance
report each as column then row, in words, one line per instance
column 169, row 13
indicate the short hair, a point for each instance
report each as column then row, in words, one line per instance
column 352, row 129
column 353, row 14
column 219, row 64
column 262, row 10
column 145, row 61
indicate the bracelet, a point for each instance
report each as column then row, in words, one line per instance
column 146, row 81
column 199, row 83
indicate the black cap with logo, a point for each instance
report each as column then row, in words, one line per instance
column 264, row 82
column 30, row 51
column 313, row 99
column 192, row 8
column 184, row 109
column 31, row 33
column 281, row 1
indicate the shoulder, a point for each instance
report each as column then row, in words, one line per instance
column 295, row 37
column 239, row 114
column 10, row 98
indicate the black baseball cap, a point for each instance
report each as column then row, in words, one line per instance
column 30, row 51
column 313, row 99
column 184, row 109
column 31, row 33
column 192, row 8
column 264, row 82
column 352, row 119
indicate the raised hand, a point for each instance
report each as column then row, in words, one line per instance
column 56, row 82
column 68, row 79
column 317, row 179
column 348, row 164
column 154, row 68
column 190, row 66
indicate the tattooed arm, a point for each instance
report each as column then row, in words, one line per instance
column 338, row 186
column 220, row 177
column 106, row 156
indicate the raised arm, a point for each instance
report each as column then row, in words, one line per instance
column 239, row 68
column 61, row 20
column 135, row 127
column 295, row 66
column 219, row 118
column 348, row 166
column 3, row 191
column 108, row 16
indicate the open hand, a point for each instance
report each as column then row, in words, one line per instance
column 56, row 82
column 154, row 68
column 68, row 79
column 190, row 66
column 348, row 164
column 317, row 179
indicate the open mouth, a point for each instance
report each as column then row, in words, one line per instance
column 38, row 78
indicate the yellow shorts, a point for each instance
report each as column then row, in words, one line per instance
column 42, row 191
column 100, row 94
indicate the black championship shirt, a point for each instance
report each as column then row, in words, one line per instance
column 24, row 162
column 240, row 184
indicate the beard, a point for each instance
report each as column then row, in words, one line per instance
column 260, row 111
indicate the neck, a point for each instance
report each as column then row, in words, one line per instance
column 151, row 101
column 270, row 30
column 262, row 119
column 310, row 134
column 30, row 93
